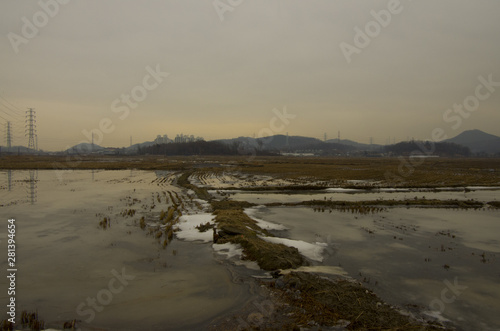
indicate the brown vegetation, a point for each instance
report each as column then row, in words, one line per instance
column 313, row 300
column 236, row 227
column 434, row 172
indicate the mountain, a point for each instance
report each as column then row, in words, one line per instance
column 282, row 143
column 359, row 146
column 478, row 141
column 275, row 143
column 135, row 148
column 427, row 148
column 279, row 141
column 84, row 148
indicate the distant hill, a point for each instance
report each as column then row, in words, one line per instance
column 359, row 146
column 192, row 148
column 276, row 142
column 84, row 148
column 282, row 143
column 279, row 142
column 427, row 148
column 135, row 148
column 478, row 141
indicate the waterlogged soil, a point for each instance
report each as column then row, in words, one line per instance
column 436, row 262
column 96, row 247
column 479, row 194
column 113, row 278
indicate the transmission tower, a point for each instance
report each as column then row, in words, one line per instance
column 31, row 128
column 9, row 136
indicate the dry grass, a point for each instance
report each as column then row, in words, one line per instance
column 236, row 227
column 309, row 297
column 433, row 172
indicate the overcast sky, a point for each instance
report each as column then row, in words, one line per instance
column 231, row 62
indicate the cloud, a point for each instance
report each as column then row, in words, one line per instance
column 226, row 77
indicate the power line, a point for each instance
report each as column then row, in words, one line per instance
column 10, row 103
column 13, row 117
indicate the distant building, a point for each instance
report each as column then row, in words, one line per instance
column 162, row 140
column 181, row 138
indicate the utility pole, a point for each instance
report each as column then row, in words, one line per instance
column 31, row 128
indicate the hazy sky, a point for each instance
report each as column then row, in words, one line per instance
column 231, row 62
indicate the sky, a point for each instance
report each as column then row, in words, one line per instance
column 123, row 69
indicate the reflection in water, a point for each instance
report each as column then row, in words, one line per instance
column 408, row 255
column 9, row 179
column 67, row 259
column 32, row 194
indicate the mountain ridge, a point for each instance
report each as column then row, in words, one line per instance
column 478, row 141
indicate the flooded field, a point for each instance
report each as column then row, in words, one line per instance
column 118, row 278
column 475, row 193
column 118, row 250
column 411, row 256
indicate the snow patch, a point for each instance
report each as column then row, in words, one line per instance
column 231, row 250
column 251, row 212
column 188, row 230
column 437, row 315
column 483, row 188
column 228, row 249
column 311, row 251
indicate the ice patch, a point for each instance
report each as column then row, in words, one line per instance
column 261, row 223
column 188, row 230
column 231, row 250
column 228, row 249
column 483, row 188
column 311, row 251
column 437, row 315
